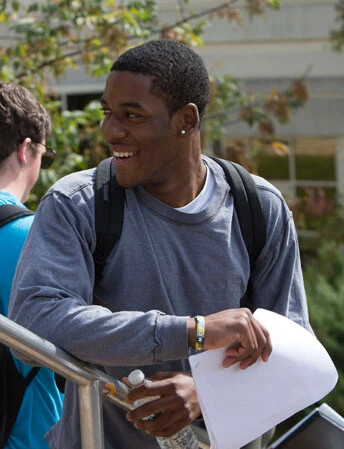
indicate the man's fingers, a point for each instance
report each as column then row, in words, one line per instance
column 161, row 375
column 171, row 428
column 147, row 409
column 247, row 339
column 165, row 425
column 176, row 407
column 126, row 382
column 263, row 339
column 268, row 347
column 168, row 416
column 246, row 345
column 255, row 343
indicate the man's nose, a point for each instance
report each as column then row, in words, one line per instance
column 112, row 128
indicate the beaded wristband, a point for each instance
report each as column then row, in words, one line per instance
column 200, row 330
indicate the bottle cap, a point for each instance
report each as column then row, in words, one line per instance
column 136, row 377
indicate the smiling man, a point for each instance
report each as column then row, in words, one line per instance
column 181, row 254
column 138, row 124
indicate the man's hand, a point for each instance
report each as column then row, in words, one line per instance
column 178, row 404
column 246, row 339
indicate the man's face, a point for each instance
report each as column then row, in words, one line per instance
column 140, row 133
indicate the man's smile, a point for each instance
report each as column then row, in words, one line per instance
column 122, row 155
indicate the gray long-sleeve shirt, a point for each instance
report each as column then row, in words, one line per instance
column 167, row 266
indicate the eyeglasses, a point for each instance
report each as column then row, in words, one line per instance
column 47, row 157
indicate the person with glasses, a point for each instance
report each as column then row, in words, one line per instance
column 48, row 156
column 24, row 128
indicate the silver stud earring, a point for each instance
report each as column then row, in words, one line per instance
column 183, row 131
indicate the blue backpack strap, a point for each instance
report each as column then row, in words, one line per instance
column 250, row 214
column 10, row 212
column 109, row 212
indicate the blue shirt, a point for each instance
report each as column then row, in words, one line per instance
column 42, row 403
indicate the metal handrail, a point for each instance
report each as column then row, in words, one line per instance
column 93, row 384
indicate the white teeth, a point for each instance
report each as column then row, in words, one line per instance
column 122, row 154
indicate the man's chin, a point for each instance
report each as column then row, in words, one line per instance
column 126, row 183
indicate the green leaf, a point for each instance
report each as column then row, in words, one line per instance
column 276, row 4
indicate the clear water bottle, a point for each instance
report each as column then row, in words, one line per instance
column 137, row 378
column 184, row 439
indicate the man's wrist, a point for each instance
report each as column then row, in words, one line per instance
column 191, row 332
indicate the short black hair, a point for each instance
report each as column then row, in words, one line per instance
column 179, row 75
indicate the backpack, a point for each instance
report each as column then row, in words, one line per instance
column 12, row 384
column 109, row 211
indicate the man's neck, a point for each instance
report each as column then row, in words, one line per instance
column 13, row 191
column 11, row 181
column 185, row 187
column 12, row 178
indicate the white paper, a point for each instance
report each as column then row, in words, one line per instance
column 240, row 405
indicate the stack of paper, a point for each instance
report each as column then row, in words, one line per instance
column 238, row 406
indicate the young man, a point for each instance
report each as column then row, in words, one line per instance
column 180, row 254
column 24, row 128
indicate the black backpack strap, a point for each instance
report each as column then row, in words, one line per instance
column 109, row 212
column 250, row 214
column 10, row 212
column 29, row 378
column 12, row 390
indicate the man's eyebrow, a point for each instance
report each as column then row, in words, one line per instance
column 125, row 104
column 131, row 104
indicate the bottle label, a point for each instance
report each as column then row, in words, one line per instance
column 144, row 401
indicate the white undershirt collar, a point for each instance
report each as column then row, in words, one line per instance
column 203, row 198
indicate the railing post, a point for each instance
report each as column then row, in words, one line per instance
column 91, row 416
column 92, row 382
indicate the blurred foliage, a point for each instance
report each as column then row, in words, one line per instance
column 337, row 35
column 321, row 167
column 318, row 209
column 324, row 282
column 77, row 130
column 323, row 270
column 47, row 38
column 230, row 104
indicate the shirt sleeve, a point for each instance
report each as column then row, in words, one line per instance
column 277, row 277
column 52, row 295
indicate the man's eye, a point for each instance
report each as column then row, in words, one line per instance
column 106, row 112
column 132, row 115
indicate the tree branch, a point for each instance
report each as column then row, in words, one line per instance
column 202, row 13
column 51, row 62
column 178, row 23
column 237, row 109
column 205, row 12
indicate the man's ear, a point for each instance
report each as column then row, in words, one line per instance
column 188, row 119
column 22, row 151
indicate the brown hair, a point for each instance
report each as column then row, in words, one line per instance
column 21, row 116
